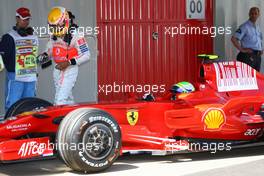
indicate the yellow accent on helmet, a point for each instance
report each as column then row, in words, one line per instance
column 58, row 20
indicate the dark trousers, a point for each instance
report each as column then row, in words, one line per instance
column 251, row 59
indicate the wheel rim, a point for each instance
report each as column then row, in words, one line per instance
column 98, row 141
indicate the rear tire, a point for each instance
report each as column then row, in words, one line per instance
column 26, row 104
column 97, row 138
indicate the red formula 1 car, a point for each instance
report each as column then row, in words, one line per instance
column 224, row 111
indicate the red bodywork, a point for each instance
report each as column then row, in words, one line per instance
column 224, row 107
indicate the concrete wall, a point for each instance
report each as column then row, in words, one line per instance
column 85, row 12
column 233, row 13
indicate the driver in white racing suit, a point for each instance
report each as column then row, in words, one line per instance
column 68, row 49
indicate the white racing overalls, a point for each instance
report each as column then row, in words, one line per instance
column 60, row 51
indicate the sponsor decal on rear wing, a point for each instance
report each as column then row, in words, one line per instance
column 235, row 76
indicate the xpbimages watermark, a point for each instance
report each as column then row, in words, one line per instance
column 123, row 88
column 211, row 147
column 33, row 147
column 197, row 30
column 49, row 30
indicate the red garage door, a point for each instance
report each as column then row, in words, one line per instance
column 140, row 43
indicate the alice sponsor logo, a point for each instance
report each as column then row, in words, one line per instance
column 31, row 148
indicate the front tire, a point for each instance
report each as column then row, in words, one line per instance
column 97, row 138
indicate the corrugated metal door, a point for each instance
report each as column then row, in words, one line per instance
column 134, row 48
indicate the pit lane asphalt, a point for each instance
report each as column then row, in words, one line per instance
column 240, row 162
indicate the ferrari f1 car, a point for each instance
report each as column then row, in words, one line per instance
column 226, row 110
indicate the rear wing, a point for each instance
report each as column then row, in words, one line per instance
column 230, row 76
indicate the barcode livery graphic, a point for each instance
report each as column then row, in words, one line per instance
column 235, row 76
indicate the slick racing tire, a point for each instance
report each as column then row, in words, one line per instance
column 26, row 104
column 96, row 137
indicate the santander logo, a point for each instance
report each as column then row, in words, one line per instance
column 31, row 148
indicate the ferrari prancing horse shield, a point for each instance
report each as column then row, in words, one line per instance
column 132, row 116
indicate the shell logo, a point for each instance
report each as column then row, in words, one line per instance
column 214, row 119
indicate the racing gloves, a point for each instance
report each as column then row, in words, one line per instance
column 44, row 60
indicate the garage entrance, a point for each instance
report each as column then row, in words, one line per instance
column 140, row 43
